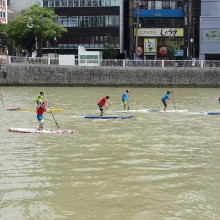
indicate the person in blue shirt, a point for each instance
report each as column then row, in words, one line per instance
column 124, row 99
column 164, row 99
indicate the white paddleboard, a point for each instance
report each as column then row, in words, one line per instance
column 45, row 131
column 132, row 110
column 169, row 111
column 151, row 110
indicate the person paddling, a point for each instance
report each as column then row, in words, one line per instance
column 39, row 99
column 101, row 104
column 40, row 110
column 124, row 99
column 165, row 98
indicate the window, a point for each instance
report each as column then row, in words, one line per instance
column 95, row 3
column 95, row 21
column 151, row 4
column 166, row 4
column 63, row 3
column 158, row 5
column 76, row 3
column 57, row 3
column 45, row 4
column 88, row 2
column 73, row 21
column 51, row 3
column 84, row 21
column 83, row 3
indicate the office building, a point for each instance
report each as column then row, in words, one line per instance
column 210, row 30
column 88, row 23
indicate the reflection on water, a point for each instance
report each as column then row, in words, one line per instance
column 153, row 166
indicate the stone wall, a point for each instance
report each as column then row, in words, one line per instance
column 49, row 75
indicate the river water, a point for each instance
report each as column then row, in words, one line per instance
column 155, row 166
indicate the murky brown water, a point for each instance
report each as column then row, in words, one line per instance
column 162, row 166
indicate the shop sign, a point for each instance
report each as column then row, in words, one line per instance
column 150, row 45
column 159, row 32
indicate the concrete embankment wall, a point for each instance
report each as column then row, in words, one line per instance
column 45, row 75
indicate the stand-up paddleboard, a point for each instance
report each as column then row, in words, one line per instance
column 48, row 110
column 213, row 113
column 45, row 131
column 107, row 117
column 150, row 110
column 12, row 108
column 167, row 111
column 132, row 110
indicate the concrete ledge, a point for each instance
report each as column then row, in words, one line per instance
column 45, row 75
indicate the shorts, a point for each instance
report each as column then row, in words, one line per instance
column 100, row 108
column 124, row 101
column 40, row 118
column 164, row 102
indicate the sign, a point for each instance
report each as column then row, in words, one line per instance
column 159, row 32
column 150, row 45
column 211, row 36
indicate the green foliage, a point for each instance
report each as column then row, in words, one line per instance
column 110, row 45
column 34, row 23
column 172, row 47
column 3, row 39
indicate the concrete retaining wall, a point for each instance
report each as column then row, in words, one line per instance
column 45, row 75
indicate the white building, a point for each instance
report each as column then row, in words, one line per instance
column 210, row 30
column 18, row 5
column 3, row 12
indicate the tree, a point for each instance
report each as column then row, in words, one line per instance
column 34, row 25
column 172, row 47
column 110, row 46
column 3, row 39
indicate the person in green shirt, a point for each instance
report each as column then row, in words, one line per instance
column 39, row 99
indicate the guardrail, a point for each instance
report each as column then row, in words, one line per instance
column 115, row 63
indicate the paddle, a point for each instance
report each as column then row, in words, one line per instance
column 2, row 101
column 107, row 107
column 51, row 111
column 128, row 105
column 174, row 101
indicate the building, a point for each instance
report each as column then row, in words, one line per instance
column 154, row 24
column 18, row 5
column 210, row 30
column 3, row 12
column 88, row 24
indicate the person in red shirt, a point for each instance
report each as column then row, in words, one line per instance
column 40, row 110
column 101, row 104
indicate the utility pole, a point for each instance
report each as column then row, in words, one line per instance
column 193, row 46
column 136, row 29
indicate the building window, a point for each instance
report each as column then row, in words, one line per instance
column 63, row 3
column 76, row 3
column 73, row 21
column 70, row 3
column 166, row 4
column 82, row 3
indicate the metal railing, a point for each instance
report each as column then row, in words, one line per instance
column 116, row 63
